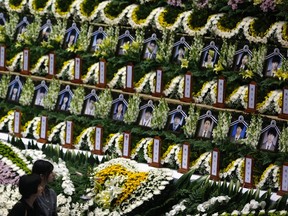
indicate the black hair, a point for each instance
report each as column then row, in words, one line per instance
column 272, row 131
column 48, row 30
column 149, row 109
column 208, row 119
column 42, row 167
column 178, row 115
column 240, row 125
column 276, row 59
column 28, row 185
column 118, row 104
column 207, row 54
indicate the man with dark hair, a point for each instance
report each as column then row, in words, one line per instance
column 238, row 135
column 45, row 33
column 30, row 188
column 146, row 117
column 243, row 64
column 48, row 201
column 150, row 52
column 274, row 66
column 206, row 130
column 175, row 125
column 270, row 143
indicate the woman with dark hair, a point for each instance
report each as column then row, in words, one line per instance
column 48, row 201
column 30, row 188
column 119, row 112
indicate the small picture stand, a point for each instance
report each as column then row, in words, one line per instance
column 220, row 93
column 156, row 153
column 98, row 140
column 2, row 57
column 51, row 65
column 26, row 62
column 284, row 113
column 283, row 180
column 185, row 158
column 129, row 86
column 77, row 70
column 215, row 158
column 252, row 95
column 102, row 82
column 126, row 144
column 69, row 135
column 187, row 96
column 17, row 124
column 248, row 172
column 43, row 129
column 159, row 83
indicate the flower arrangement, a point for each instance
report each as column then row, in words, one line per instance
column 146, row 84
column 165, row 47
column 77, row 101
column 27, row 94
column 226, row 57
column 203, row 207
column 83, row 41
column 67, row 70
column 131, row 187
column 272, row 102
column 119, row 79
column 191, row 121
column 4, row 83
column 256, row 63
column 207, row 94
column 220, row 132
column 114, row 143
column 61, row 10
column 238, row 97
column 37, row 8
column 133, row 110
column 253, row 131
column 83, row 9
column 283, row 140
column 234, row 169
column 160, row 115
column 92, row 74
column 88, row 135
column 16, row 62
column 50, row 98
column 16, row 6
column 41, row 66
column 202, row 163
column 103, row 105
column 58, row 129
column 8, row 30
column 142, row 144
column 270, row 176
column 171, row 155
column 176, row 85
column 176, row 209
column 7, row 120
column 34, row 126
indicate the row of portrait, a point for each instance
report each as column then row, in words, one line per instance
column 176, row 117
column 209, row 56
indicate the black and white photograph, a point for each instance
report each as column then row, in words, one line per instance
column 269, row 137
column 14, row 89
column 90, row 103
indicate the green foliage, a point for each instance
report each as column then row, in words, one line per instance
column 132, row 112
column 160, row 115
column 51, row 97
column 27, row 94
column 77, row 101
column 191, row 121
column 4, row 85
column 103, row 105
column 89, row 5
column 165, row 47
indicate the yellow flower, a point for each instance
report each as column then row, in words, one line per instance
column 184, row 63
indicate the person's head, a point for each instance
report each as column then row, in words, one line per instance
column 245, row 59
column 30, row 185
column 239, row 128
column 120, row 107
column 271, row 134
column 45, row 170
column 99, row 41
column 207, row 124
column 210, row 55
column 91, row 104
column 148, row 113
column 275, row 62
column 65, row 99
column 46, row 32
column 15, row 90
column 181, row 51
column 177, row 118
column 152, row 46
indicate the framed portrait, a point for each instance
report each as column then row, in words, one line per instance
column 22, row 26
column 176, row 120
column 180, row 50
column 122, row 40
column 71, row 35
column 269, row 137
column 64, row 99
column 206, row 123
column 2, row 19
column 150, row 47
column 146, row 114
column 14, row 89
column 273, row 63
column 45, row 31
column 119, row 107
column 237, row 130
column 90, row 103
column 97, row 38
column 40, row 92
column 209, row 56
column 242, row 58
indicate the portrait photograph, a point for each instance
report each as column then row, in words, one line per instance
column 273, row 64
column 40, row 95
column 146, row 116
column 242, row 58
column 45, row 34
column 209, row 59
column 123, row 39
column 96, row 41
column 71, row 36
column 64, row 101
column 269, row 140
column 237, row 132
column 176, row 122
column 90, row 104
column 119, row 110
column 150, row 50
column 14, row 92
column 180, row 50
column 205, row 125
